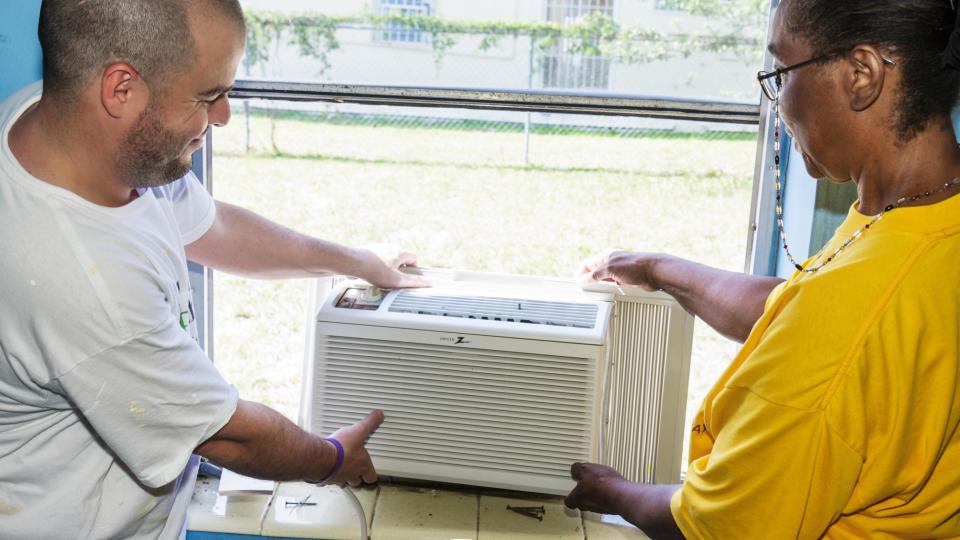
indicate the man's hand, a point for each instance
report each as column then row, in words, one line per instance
column 260, row 442
column 379, row 266
column 357, row 467
column 596, row 490
column 621, row 267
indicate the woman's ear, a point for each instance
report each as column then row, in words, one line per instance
column 865, row 76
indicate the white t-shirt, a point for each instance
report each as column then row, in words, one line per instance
column 104, row 392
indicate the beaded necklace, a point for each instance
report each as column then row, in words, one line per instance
column 859, row 232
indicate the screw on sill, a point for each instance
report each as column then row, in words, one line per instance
column 535, row 512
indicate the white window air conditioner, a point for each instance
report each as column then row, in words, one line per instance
column 503, row 381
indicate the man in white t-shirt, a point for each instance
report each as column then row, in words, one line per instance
column 105, row 397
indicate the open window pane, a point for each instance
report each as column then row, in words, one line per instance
column 464, row 190
column 487, row 190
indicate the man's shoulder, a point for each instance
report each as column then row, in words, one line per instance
column 30, row 237
column 10, row 105
column 61, row 261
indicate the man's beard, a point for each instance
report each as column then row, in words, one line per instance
column 149, row 155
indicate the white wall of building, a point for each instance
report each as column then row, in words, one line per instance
column 365, row 58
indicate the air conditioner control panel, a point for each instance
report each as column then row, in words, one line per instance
column 363, row 298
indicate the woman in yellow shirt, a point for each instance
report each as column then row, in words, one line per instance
column 839, row 417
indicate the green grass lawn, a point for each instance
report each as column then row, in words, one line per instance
column 463, row 199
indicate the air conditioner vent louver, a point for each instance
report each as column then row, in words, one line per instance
column 569, row 314
column 488, row 410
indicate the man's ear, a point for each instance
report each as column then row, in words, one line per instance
column 866, row 76
column 122, row 91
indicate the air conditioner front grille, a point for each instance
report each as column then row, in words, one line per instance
column 526, row 311
column 454, row 406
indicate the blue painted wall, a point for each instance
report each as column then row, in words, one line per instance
column 956, row 122
column 20, row 58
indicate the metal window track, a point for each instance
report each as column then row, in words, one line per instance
column 504, row 100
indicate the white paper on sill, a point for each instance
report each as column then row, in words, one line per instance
column 232, row 483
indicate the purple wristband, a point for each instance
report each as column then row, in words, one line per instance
column 336, row 466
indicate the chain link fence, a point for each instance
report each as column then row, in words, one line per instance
column 524, row 138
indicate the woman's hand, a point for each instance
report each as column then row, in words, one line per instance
column 597, row 490
column 602, row 490
column 622, row 268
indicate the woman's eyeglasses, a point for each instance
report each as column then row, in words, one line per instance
column 772, row 81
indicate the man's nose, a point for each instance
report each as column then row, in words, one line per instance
column 220, row 112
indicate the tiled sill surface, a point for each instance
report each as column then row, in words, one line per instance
column 393, row 512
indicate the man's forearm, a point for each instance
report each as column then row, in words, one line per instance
column 261, row 443
column 730, row 302
column 244, row 243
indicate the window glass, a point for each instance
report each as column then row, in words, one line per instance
column 563, row 68
column 484, row 190
column 695, row 49
column 470, row 194
column 400, row 33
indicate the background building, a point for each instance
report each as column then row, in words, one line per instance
column 404, row 56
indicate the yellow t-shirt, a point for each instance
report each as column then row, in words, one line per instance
column 839, row 417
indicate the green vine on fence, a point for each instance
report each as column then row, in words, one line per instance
column 315, row 35
column 731, row 27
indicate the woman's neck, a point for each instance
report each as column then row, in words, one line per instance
column 923, row 164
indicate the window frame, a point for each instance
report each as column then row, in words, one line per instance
column 587, row 72
column 393, row 32
column 201, row 277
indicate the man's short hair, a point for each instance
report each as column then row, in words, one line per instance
column 82, row 37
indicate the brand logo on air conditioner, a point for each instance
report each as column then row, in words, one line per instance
column 459, row 340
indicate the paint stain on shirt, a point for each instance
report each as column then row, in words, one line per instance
column 134, row 409
column 7, row 510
